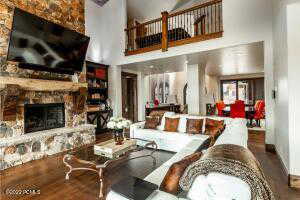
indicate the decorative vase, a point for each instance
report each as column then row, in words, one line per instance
column 118, row 136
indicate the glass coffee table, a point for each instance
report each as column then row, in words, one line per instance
column 86, row 159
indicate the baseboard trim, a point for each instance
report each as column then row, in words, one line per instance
column 294, row 181
column 270, row 148
column 282, row 166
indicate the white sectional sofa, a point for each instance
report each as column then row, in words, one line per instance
column 185, row 144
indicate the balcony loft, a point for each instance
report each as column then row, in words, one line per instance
column 199, row 23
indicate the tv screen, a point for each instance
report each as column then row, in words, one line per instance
column 42, row 45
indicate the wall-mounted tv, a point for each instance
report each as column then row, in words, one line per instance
column 41, row 45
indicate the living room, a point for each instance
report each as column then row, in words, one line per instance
column 89, row 111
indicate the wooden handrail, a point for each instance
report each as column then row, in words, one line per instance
column 195, row 8
column 198, row 23
column 144, row 24
column 176, row 14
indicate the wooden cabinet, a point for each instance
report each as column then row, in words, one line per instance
column 171, row 108
column 97, row 78
column 99, row 112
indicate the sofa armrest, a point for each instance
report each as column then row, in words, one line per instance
column 135, row 127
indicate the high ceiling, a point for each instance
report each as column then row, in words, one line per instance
column 237, row 60
column 143, row 10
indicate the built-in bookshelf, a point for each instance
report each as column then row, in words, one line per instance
column 99, row 112
column 97, row 79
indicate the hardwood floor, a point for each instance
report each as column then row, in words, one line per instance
column 48, row 176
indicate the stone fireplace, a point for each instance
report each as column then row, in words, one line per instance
column 39, row 117
column 41, row 123
column 41, row 113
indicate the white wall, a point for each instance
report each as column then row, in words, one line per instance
column 293, row 49
column 105, row 26
column 286, row 74
column 281, row 119
column 115, row 89
column 193, row 90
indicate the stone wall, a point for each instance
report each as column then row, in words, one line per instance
column 15, row 146
column 71, row 119
column 68, row 13
column 38, row 145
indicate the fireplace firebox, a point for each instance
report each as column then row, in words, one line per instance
column 40, row 117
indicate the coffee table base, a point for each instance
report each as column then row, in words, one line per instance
column 99, row 169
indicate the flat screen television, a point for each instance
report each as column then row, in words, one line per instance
column 38, row 44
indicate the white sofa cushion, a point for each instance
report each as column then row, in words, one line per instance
column 235, row 133
column 157, row 176
column 216, row 186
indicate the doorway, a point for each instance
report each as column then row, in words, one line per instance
column 129, row 96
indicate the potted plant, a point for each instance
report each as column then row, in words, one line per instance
column 118, row 124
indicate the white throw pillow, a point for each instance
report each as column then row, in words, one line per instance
column 217, row 186
column 182, row 123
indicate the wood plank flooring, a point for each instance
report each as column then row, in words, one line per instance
column 48, row 176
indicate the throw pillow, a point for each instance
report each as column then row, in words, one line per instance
column 171, row 124
column 194, row 126
column 214, row 129
column 158, row 113
column 170, row 184
column 151, row 122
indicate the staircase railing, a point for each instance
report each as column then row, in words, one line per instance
column 199, row 23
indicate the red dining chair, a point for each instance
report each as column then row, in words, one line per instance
column 256, row 112
column 260, row 112
column 220, row 107
column 237, row 110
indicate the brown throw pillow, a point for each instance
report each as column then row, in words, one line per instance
column 194, row 126
column 158, row 113
column 171, row 124
column 214, row 128
column 170, row 184
column 151, row 122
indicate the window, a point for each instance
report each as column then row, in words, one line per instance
column 247, row 90
column 229, row 92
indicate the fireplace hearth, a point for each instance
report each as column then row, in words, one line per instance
column 39, row 117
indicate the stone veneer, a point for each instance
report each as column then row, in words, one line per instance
column 32, row 146
column 68, row 13
column 15, row 146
